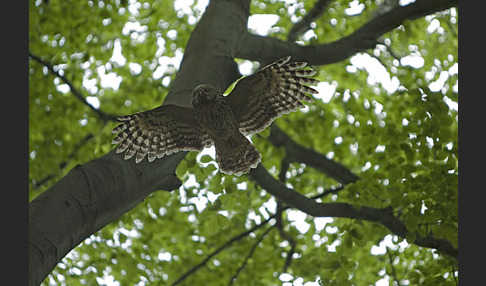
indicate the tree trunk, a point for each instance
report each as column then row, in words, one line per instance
column 97, row 193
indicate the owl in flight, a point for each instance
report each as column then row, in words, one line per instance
column 222, row 121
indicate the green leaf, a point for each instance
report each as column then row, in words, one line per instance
column 205, row 159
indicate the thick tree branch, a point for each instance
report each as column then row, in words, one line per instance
column 208, row 54
column 304, row 24
column 384, row 216
column 298, row 153
column 266, row 49
column 295, row 152
column 86, row 199
column 100, row 191
column 102, row 115
column 283, row 169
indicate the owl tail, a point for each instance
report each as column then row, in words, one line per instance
column 236, row 155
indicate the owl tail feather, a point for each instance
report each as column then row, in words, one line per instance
column 236, row 155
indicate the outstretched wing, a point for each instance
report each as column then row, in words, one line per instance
column 159, row 132
column 276, row 89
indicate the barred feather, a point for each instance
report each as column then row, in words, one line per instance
column 239, row 159
column 254, row 103
column 157, row 133
column 278, row 88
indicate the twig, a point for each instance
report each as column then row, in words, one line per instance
column 280, row 207
column 389, row 50
column 249, row 255
column 452, row 28
column 241, row 236
column 285, row 236
column 394, row 273
column 63, row 164
column 219, row 249
column 290, row 255
column 304, row 24
column 454, row 275
column 327, row 192
column 102, row 115
column 377, row 58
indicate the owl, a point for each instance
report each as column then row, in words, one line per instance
column 214, row 119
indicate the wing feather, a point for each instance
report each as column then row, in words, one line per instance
column 159, row 132
column 257, row 100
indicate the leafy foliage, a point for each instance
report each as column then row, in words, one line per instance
column 400, row 140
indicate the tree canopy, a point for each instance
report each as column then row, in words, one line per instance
column 358, row 188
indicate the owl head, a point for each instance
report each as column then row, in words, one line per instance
column 204, row 94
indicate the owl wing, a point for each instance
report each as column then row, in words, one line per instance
column 278, row 88
column 159, row 132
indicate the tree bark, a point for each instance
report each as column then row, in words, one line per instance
column 267, row 49
column 383, row 216
column 89, row 197
column 97, row 193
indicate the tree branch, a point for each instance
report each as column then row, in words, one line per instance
column 304, row 24
column 280, row 208
column 64, row 163
column 283, row 169
column 249, row 255
column 219, row 249
column 285, row 236
column 89, row 197
column 100, row 191
column 298, row 153
column 241, row 236
column 102, row 115
column 295, row 152
column 453, row 273
column 390, row 51
column 377, row 58
column 309, row 206
column 266, row 49
column 394, row 272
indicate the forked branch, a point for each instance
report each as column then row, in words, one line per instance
column 266, row 49
column 382, row 216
